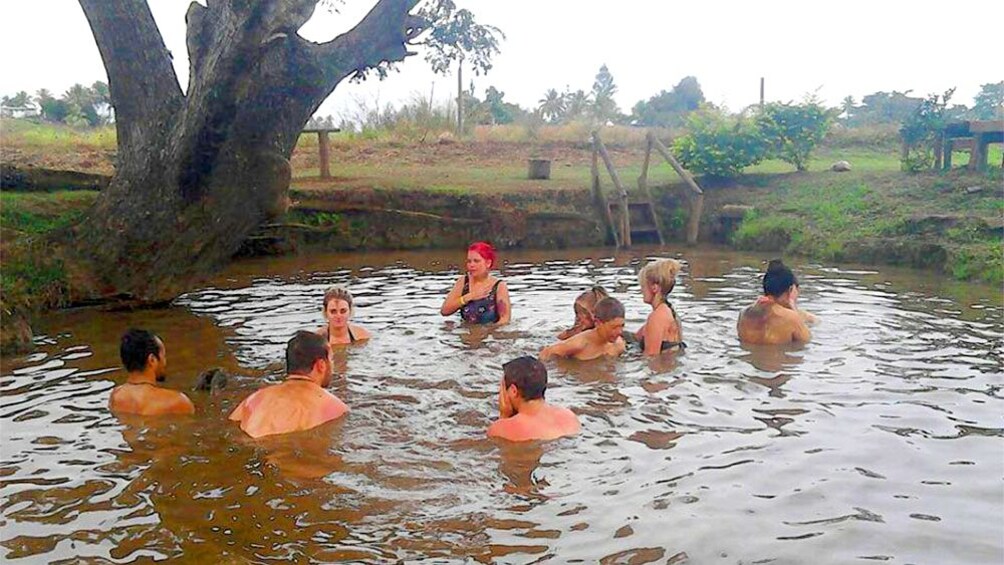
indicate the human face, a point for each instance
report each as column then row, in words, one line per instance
column 338, row 313
column 611, row 329
column 160, row 363
column 477, row 266
column 584, row 319
column 648, row 292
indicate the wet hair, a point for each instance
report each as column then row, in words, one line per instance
column 485, row 250
column 608, row 309
column 778, row 279
column 586, row 302
column 662, row 272
column 136, row 347
column 303, row 350
column 337, row 293
column 528, row 374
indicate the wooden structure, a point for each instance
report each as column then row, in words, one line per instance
column 323, row 148
column 538, row 169
column 974, row 135
column 618, row 210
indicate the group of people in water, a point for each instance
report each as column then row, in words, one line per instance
column 301, row 401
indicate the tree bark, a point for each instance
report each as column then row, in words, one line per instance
column 199, row 171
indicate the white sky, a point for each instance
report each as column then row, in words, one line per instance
column 853, row 47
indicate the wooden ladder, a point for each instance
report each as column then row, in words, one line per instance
column 626, row 219
column 643, row 224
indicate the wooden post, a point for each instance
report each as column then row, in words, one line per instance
column 978, row 154
column 325, row 153
column 695, row 196
column 946, row 163
column 643, row 185
column 939, row 149
column 625, row 223
column 599, row 200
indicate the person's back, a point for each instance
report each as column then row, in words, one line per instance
column 145, row 359
column 298, row 403
column 523, row 413
column 771, row 324
column 775, row 319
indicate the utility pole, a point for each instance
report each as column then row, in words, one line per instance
column 460, row 98
column 761, row 93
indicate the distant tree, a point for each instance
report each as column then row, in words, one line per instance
column 52, row 110
column 502, row 112
column 552, row 106
column 669, row 108
column 577, row 105
column 457, row 38
column 920, row 131
column 847, row 107
column 989, row 102
column 20, row 99
column 99, row 93
column 604, row 108
column 884, row 108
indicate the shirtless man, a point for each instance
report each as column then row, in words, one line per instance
column 145, row 359
column 775, row 319
column 298, row 403
column 524, row 415
column 603, row 340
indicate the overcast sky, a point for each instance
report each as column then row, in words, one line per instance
column 835, row 49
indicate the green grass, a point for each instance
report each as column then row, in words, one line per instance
column 56, row 137
column 38, row 213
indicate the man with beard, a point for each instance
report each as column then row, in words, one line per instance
column 145, row 359
column 298, row 403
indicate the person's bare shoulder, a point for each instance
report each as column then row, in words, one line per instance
column 360, row 333
column 175, row 402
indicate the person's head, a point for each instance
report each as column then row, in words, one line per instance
column 480, row 258
column 337, row 306
column 308, row 354
column 609, row 314
column 142, row 351
column 657, row 279
column 525, row 379
column 584, row 306
column 779, row 282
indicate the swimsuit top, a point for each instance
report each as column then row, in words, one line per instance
column 327, row 335
column 481, row 311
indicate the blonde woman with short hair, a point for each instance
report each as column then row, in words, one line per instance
column 662, row 331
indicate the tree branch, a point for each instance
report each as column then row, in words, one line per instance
column 141, row 79
column 382, row 36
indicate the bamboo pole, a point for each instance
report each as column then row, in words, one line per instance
column 625, row 223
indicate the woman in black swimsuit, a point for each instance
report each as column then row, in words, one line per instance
column 337, row 311
column 661, row 331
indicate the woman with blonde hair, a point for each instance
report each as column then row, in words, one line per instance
column 338, row 311
column 662, row 331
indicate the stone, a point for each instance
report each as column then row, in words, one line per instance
column 736, row 211
column 840, row 167
column 446, row 138
column 974, row 189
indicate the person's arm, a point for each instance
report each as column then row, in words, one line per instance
column 453, row 300
column 502, row 304
column 807, row 317
column 567, row 348
column 801, row 331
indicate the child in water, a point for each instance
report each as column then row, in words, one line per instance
column 584, row 307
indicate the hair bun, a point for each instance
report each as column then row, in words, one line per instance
column 775, row 265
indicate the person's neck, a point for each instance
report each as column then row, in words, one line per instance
column 338, row 332
column 595, row 337
column 142, row 378
column 479, row 278
column 298, row 377
column 531, row 407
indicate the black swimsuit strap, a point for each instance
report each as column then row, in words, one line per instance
column 352, row 338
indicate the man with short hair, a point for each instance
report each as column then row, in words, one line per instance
column 604, row 340
column 145, row 359
column 523, row 413
column 298, row 403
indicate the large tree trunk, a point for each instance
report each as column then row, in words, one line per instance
column 198, row 172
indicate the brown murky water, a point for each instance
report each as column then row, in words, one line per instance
column 880, row 441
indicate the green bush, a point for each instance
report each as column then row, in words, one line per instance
column 721, row 146
column 794, row 130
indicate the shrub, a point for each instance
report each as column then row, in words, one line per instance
column 717, row 145
column 794, row 130
column 921, row 129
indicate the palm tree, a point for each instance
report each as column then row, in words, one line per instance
column 552, row 106
column 576, row 104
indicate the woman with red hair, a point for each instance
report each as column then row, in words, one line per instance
column 480, row 297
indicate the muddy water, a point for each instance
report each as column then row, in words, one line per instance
column 880, row 441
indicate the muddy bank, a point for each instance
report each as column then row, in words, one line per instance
column 42, row 179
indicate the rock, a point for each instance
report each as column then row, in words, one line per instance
column 445, row 138
column 212, row 381
column 737, row 211
column 15, row 334
column 974, row 189
column 840, row 167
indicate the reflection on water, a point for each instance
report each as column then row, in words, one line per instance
column 881, row 440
